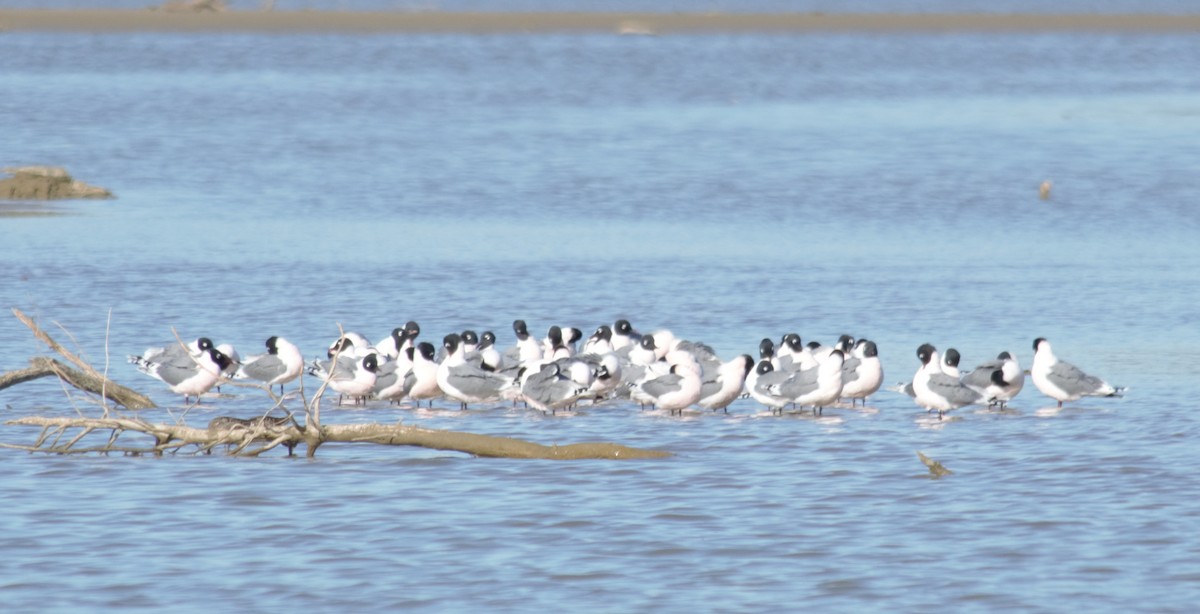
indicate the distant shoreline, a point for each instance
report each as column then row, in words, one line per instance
column 147, row 20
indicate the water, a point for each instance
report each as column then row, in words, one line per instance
column 665, row 6
column 726, row 187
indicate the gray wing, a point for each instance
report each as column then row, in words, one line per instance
column 850, row 369
column 981, row 377
column 662, row 385
column 410, row 380
column 949, row 388
column 265, row 368
column 174, row 374
column 772, row 378
column 476, row 382
column 709, row 388
column 800, row 382
column 342, row 371
column 1072, row 380
column 549, row 392
column 386, row 380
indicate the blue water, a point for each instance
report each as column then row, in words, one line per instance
column 726, row 187
column 665, row 6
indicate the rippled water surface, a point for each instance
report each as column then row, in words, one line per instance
column 729, row 188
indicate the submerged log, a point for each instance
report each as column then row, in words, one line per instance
column 240, row 434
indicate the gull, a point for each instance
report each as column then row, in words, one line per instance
column 679, row 388
column 600, row 342
column 235, row 361
column 176, row 354
column 721, row 387
column 466, row 382
column 420, row 383
column 936, row 390
column 817, row 387
column 281, row 364
column 1063, row 381
column 527, row 349
column 391, row 346
column 763, row 385
column 469, row 341
column 389, row 379
column 192, row 379
column 862, row 373
column 348, row 375
column 624, row 334
column 553, row 346
column 549, row 389
column 607, row 374
column 489, row 357
column 949, row 366
column 997, row 389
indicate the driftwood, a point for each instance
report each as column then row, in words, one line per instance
column 40, row 366
column 270, row 433
column 936, row 469
column 253, row 436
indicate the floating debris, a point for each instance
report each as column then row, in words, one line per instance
column 1044, row 190
column 936, row 469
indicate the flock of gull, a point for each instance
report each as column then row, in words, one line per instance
column 557, row 372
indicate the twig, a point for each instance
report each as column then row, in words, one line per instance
column 40, row 334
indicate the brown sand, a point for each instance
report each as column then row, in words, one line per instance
column 116, row 20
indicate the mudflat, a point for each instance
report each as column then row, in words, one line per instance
column 149, row 20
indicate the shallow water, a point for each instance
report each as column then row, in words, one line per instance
column 725, row 187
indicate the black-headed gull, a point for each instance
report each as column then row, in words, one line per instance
column 192, row 379
column 725, row 384
column 465, row 381
column 862, row 373
column 1063, row 381
column 1000, row 388
column 280, row 365
column 802, row 388
column 936, row 390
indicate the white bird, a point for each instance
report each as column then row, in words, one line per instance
column 549, row 389
column 763, row 385
column 466, row 382
column 350, row 345
column 281, row 364
column 817, row 387
column 489, row 357
column 997, row 389
column 862, row 373
column 176, row 354
column 624, row 334
column 389, row 379
column 936, row 390
column 949, row 366
column 554, row 346
column 600, row 342
column 348, row 375
column 1063, row 381
column 391, row 346
column 527, row 349
column 679, row 388
column 607, row 374
column 725, row 384
column 420, row 383
column 235, row 361
column 192, row 379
